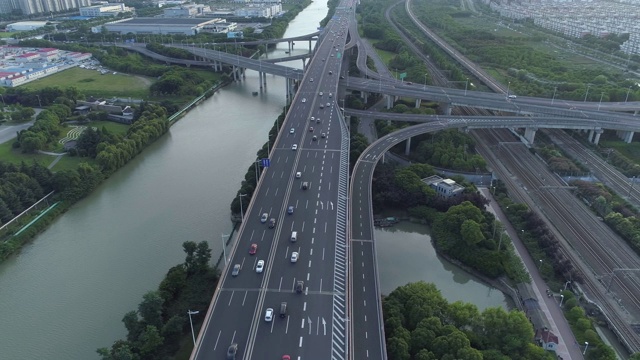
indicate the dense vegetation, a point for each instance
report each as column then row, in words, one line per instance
column 155, row 330
column 519, row 60
column 420, row 324
column 461, row 228
column 20, row 187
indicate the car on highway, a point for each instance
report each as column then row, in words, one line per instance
column 321, row 106
column 341, row 77
column 328, row 104
column 260, row 266
column 324, row 135
column 236, row 270
column 290, row 210
column 264, row 217
column 304, row 100
column 318, row 121
column 232, row 351
column 330, row 72
column 268, row 315
column 298, row 175
column 286, row 357
column 512, row 96
column 311, row 80
column 312, row 118
column 294, row 257
column 272, row 223
column 305, row 185
column 320, row 93
column 253, row 249
column 299, row 286
column 331, row 55
column 294, row 147
column 292, row 131
column 330, row 95
column 311, row 129
column 314, row 138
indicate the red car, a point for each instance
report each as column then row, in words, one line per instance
column 253, row 249
column 286, row 357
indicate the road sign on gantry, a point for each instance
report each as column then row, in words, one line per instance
column 266, row 162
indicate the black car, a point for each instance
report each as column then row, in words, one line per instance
column 272, row 223
column 299, row 286
column 231, row 352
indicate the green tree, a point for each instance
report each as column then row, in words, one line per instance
column 150, row 309
column 471, row 232
column 398, row 349
column 149, row 342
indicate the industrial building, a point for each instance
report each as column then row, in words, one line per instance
column 191, row 10
column 164, row 26
column 104, row 10
column 30, row 7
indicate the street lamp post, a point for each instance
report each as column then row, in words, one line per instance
column 193, row 335
column 587, row 93
column 567, row 283
column 466, row 85
column 241, row 212
column 600, row 103
column 628, row 91
column 561, row 299
column 555, row 89
column 224, row 248
column 586, row 346
column 508, row 87
column 540, row 263
column 425, row 82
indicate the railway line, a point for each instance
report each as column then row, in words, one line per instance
column 589, row 244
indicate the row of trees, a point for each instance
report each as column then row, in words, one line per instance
column 45, row 129
column 421, row 325
column 180, row 81
column 21, row 186
column 155, row 329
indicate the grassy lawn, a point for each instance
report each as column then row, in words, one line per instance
column 15, row 156
column 91, row 82
column 113, row 127
column 386, row 56
column 632, row 151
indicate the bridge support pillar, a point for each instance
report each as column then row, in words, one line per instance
column 235, row 74
column 596, row 138
column 309, row 45
column 243, row 71
column 418, row 102
column 626, row 136
column 264, row 79
column 290, row 46
column 635, row 113
column 304, row 65
column 530, row 134
column 389, row 102
column 590, row 135
column 407, row 147
column 366, row 96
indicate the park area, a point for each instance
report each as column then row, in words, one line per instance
column 93, row 83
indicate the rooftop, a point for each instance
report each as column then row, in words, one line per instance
column 162, row 21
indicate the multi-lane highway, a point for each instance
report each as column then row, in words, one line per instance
column 314, row 323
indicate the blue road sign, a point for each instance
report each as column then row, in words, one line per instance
column 266, row 162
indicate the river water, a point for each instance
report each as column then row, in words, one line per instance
column 65, row 294
column 405, row 255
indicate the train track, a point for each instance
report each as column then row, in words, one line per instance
column 591, row 257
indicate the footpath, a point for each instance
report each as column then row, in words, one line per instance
column 568, row 347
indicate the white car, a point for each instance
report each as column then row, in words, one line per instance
column 311, row 80
column 312, row 118
column 304, row 100
column 268, row 315
column 294, row 147
column 294, row 257
column 298, row 175
column 328, row 105
column 512, row 96
column 292, row 131
column 320, row 93
column 260, row 266
column 330, row 94
column 264, row 217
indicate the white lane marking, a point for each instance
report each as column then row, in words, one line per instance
column 309, row 263
column 286, row 329
column 322, row 254
column 304, row 308
column 300, row 344
column 217, row 338
column 311, row 252
column 280, row 285
column 308, row 275
column 365, row 318
column 302, row 326
column 245, row 297
column 365, row 302
column 231, row 298
column 364, row 289
column 320, row 285
column 272, row 322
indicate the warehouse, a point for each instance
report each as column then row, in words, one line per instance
column 162, row 26
column 26, row 25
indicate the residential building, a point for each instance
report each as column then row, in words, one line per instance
column 190, row 10
column 30, row 7
column 104, row 10
column 186, row 26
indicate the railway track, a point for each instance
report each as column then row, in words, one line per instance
column 583, row 243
